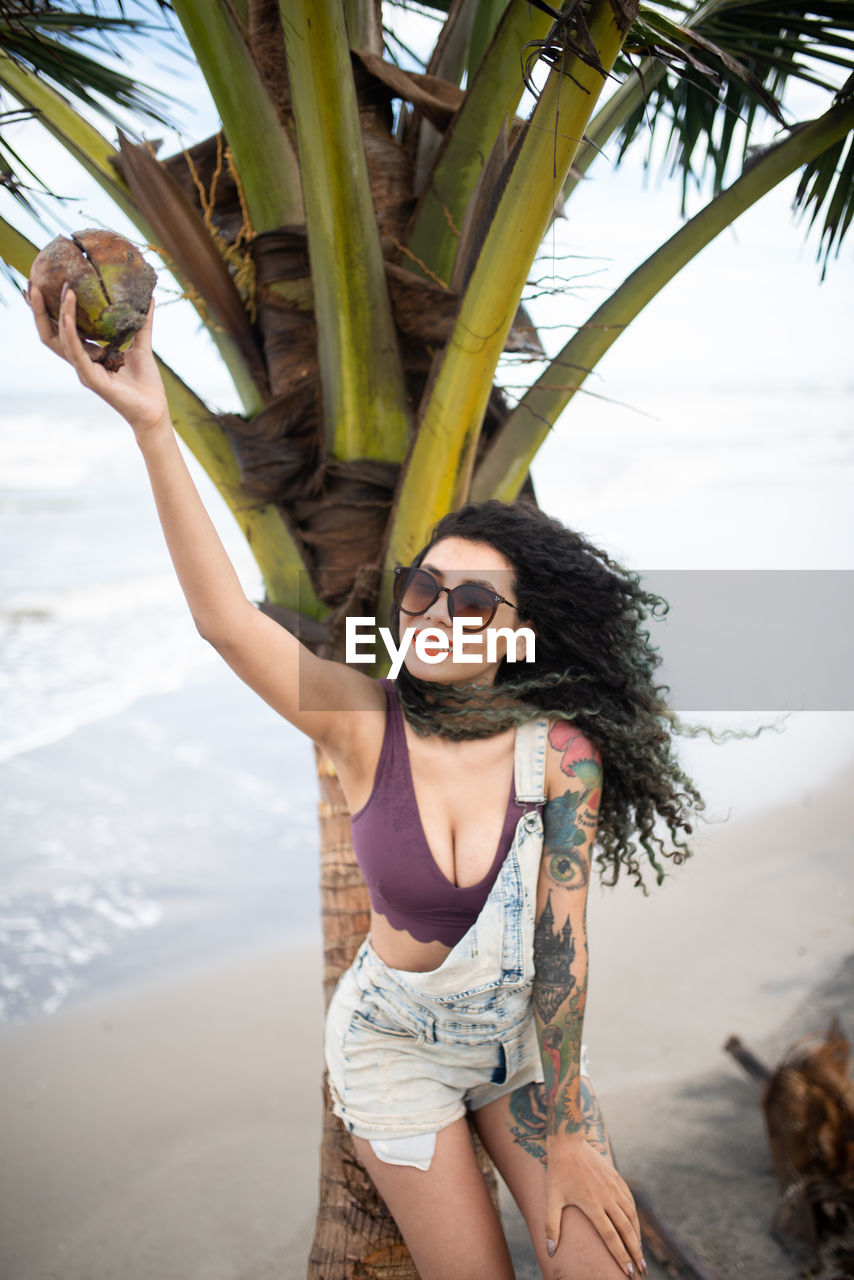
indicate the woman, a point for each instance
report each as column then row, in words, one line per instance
column 475, row 788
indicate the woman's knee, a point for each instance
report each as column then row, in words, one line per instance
column 581, row 1252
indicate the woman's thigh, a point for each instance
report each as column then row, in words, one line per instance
column 445, row 1214
column 513, row 1132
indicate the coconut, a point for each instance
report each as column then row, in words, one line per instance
column 112, row 282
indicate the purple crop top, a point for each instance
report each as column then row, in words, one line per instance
column 404, row 882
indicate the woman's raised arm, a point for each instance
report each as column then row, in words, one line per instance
column 314, row 694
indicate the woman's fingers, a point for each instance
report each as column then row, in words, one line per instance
column 631, row 1264
column 69, row 339
column 62, row 337
column 57, row 335
column 72, row 346
column 630, row 1210
column 45, row 327
column 142, row 339
column 135, row 390
column 627, row 1232
column 139, row 354
column 624, row 1218
column 625, row 1251
column 620, row 1230
column 554, row 1209
column 617, row 1225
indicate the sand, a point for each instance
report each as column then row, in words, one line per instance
column 166, row 1133
column 171, row 1132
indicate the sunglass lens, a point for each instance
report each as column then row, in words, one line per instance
column 473, row 603
column 415, row 591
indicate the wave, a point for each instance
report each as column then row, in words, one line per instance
column 80, row 656
column 109, row 599
column 48, row 941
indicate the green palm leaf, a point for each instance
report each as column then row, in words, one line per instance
column 65, row 48
column 828, row 183
column 726, row 62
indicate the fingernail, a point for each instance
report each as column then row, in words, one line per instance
column 630, row 1270
column 644, row 1267
column 63, row 291
column 550, row 1248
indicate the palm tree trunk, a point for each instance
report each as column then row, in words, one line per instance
column 355, row 1235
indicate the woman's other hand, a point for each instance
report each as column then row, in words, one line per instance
column 135, row 391
column 576, row 1174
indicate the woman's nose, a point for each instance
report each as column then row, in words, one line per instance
column 439, row 611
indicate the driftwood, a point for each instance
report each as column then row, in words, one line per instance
column 808, row 1103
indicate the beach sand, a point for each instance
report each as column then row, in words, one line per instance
column 171, row 1132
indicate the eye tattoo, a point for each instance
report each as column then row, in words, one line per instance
column 563, row 837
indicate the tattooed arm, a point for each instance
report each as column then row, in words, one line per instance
column 578, row 1172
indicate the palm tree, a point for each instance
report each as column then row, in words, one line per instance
column 357, row 240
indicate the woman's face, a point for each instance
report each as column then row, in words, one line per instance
column 451, row 562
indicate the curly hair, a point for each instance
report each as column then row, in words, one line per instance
column 594, row 666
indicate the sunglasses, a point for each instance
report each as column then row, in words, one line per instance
column 416, row 590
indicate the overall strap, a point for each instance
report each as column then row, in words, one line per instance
column 530, row 762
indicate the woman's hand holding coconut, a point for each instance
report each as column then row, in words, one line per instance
column 127, row 378
column 135, row 390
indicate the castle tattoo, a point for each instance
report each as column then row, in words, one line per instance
column 554, row 952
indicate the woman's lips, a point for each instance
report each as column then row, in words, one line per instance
column 431, row 649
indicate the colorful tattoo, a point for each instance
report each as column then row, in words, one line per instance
column 529, row 1125
column 594, row 1125
column 553, row 1043
column 568, row 1113
column 561, row 1050
column 562, row 839
column 576, row 761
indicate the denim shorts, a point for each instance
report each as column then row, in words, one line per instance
column 401, row 1066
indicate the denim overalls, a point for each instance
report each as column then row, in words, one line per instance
column 408, row 1053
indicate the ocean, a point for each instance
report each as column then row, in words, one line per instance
column 156, row 815
column 153, row 811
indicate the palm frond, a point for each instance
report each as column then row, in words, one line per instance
column 65, row 46
column 828, row 183
column 728, row 62
column 433, row 8
column 504, row 466
column 13, row 166
column 54, row 42
column 394, row 46
column 191, row 251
